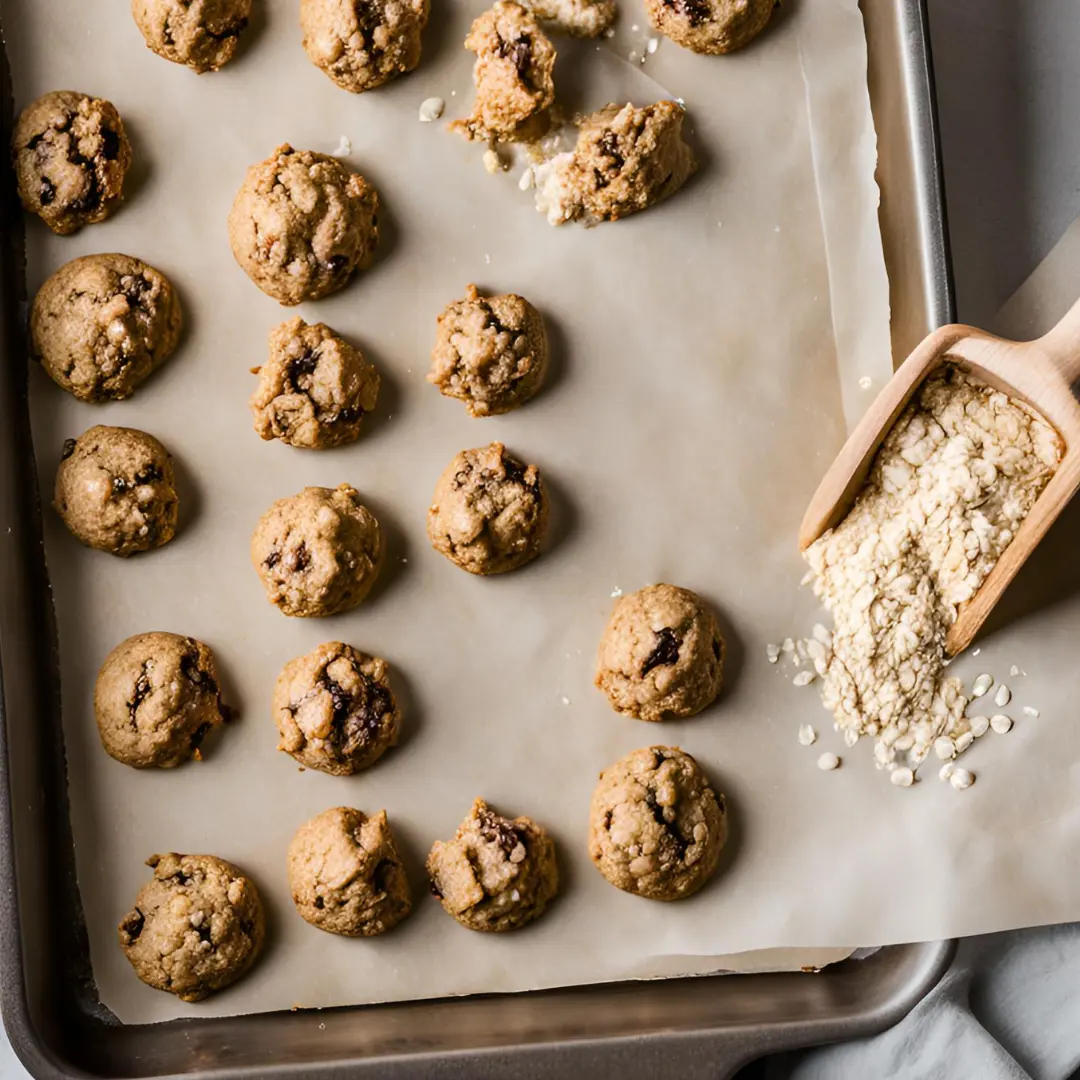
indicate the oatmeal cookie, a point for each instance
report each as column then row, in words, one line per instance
column 656, row 827
column 71, row 154
column 361, row 44
column 318, row 552
column 661, row 654
column 490, row 512
column 315, row 388
column 512, row 74
column 346, row 875
column 116, row 490
column 710, row 26
column 201, row 34
column 497, row 873
column 196, row 926
column 156, row 698
column 625, row 160
column 102, row 323
column 302, row 223
column 335, row 709
column 578, row 18
column 491, row 353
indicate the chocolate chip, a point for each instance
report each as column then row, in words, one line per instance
column 133, row 925
column 348, row 415
column 119, row 485
column 357, row 720
column 497, row 830
column 142, row 691
column 669, row 827
column 299, row 559
column 204, row 932
column 666, row 651
column 68, row 450
column 609, row 147
column 91, row 201
column 47, row 194
column 336, row 263
column 181, row 878
column 198, row 735
column 514, row 471
column 300, row 367
column 320, row 903
column 272, row 559
column 189, row 668
column 717, row 648
column 519, row 52
column 36, row 141
column 150, row 474
column 607, row 819
column 696, row 11
column 110, row 144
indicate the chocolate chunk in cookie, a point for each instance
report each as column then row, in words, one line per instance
column 490, row 511
column 315, row 389
column 513, row 76
column 361, row 44
column 116, row 490
column 656, row 827
column 302, row 223
column 318, row 552
column 346, row 875
column 661, row 655
column 71, row 154
column 102, row 323
column 201, row 34
column 710, row 26
column 197, row 926
column 490, row 352
column 335, row 709
column 497, row 873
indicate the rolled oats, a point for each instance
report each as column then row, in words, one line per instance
column 1001, row 723
column 827, row 762
column 902, row 777
column 1003, row 696
column 807, row 735
column 961, row 778
column 1029, row 711
column 981, row 685
column 980, row 725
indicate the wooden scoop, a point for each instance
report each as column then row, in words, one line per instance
column 1042, row 373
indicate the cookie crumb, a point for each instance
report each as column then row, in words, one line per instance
column 344, row 147
column 492, row 161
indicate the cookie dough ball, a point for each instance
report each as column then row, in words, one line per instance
column 156, row 698
column 201, row 34
column 302, row 223
column 335, row 710
column 661, row 654
column 318, row 553
column 196, row 926
column 625, row 160
column 315, row 388
column 710, row 26
column 490, row 512
column 71, row 154
column 578, row 18
column 116, row 490
column 345, row 874
column 491, row 353
column 656, row 827
column 497, row 873
column 101, row 324
column 361, row 44
column 513, row 76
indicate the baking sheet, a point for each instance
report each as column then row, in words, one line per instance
column 708, row 356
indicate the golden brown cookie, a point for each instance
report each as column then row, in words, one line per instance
column 200, row 34
column 710, row 26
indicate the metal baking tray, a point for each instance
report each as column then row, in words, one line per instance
column 705, row 1026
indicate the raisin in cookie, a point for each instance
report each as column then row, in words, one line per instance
column 346, row 875
column 200, row 34
column 625, row 160
column 116, row 490
column 302, row 223
column 514, row 87
column 491, row 353
column 315, row 388
column 196, row 926
column 335, row 710
column 710, row 26
column 361, row 44
column 497, row 873
column 101, row 324
column 490, row 512
column 661, row 654
column 71, row 154
column 656, row 827
column 156, row 698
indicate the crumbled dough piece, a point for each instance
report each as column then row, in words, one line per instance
column 578, row 18
column 201, row 34
column 710, row 26
column 431, row 109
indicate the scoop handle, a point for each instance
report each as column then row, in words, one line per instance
column 1062, row 345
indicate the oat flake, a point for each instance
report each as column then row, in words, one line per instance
column 827, row 762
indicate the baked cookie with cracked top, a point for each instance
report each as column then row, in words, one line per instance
column 71, row 154
column 102, row 323
column 656, row 826
column 496, row 873
column 200, row 34
column 578, row 18
column 156, row 698
column 302, row 223
column 710, row 26
column 626, row 159
column 318, row 552
column 361, row 44
column 315, row 389
column 345, row 873
column 489, row 514
column 661, row 654
column 490, row 352
column 335, row 709
column 116, row 490
column 197, row 926
column 513, row 76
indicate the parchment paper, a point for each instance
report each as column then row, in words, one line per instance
column 698, row 393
